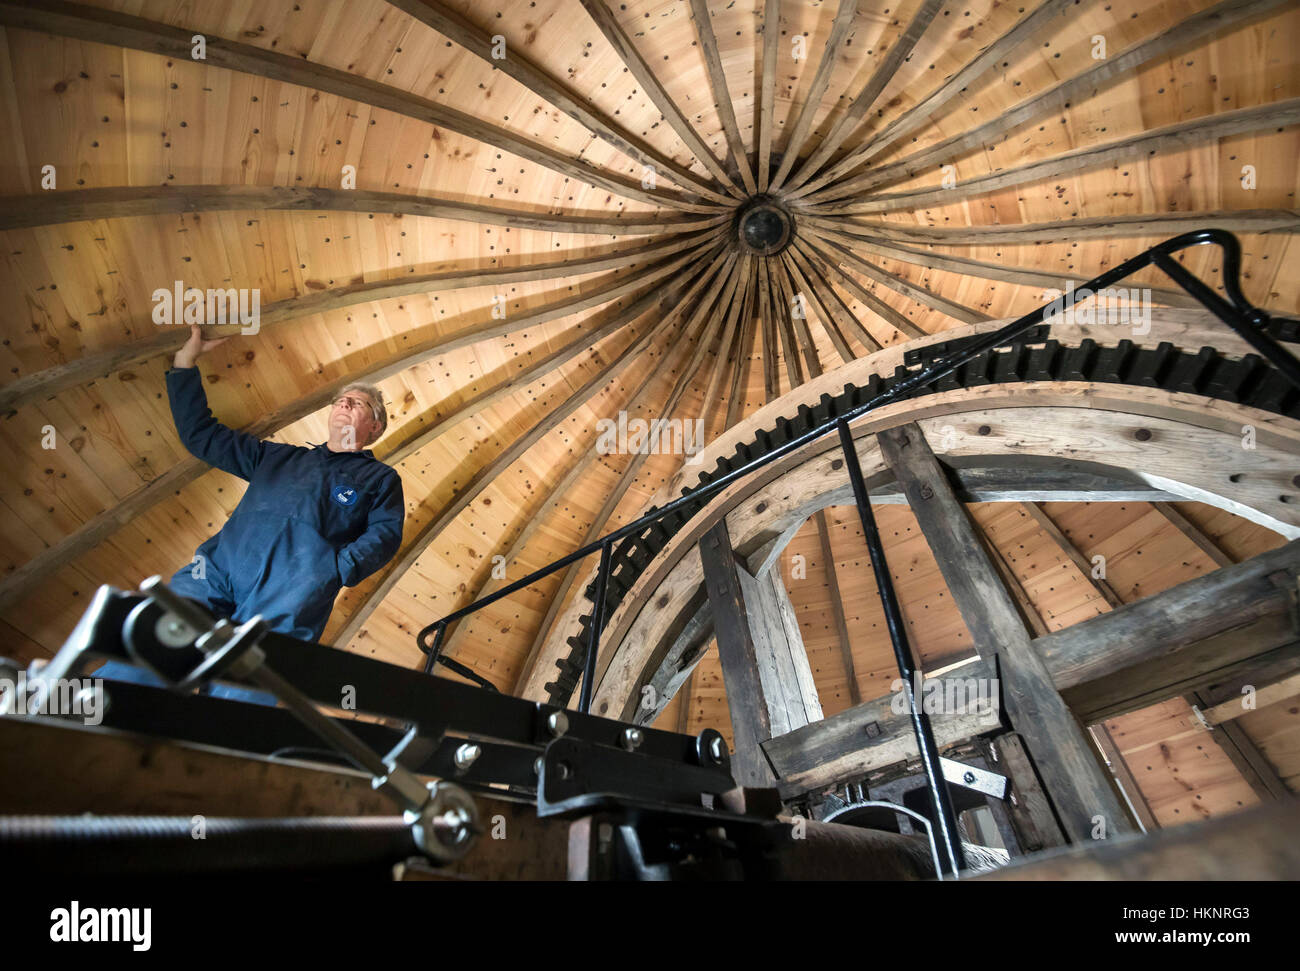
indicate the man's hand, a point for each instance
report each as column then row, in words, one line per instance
column 195, row 346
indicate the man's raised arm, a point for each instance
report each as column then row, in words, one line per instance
column 206, row 438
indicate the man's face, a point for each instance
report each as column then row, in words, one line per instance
column 353, row 410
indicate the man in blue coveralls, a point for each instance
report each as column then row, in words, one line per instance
column 313, row 520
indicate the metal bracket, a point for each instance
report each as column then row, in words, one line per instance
column 981, row 780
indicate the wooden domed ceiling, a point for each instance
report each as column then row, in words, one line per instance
column 521, row 218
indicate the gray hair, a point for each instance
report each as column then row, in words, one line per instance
column 377, row 407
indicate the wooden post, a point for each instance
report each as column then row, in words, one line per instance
column 750, row 722
column 1082, row 791
column 770, row 687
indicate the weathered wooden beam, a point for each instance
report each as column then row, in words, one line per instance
column 1255, row 844
column 751, row 722
column 455, row 27
column 618, row 39
column 796, row 323
column 1072, row 553
column 1245, row 756
column 481, row 479
column 830, row 300
column 1087, row 84
column 1169, row 138
column 1079, row 788
column 1154, row 225
column 1184, row 636
column 870, row 736
column 837, row 607
column 625, row 481
column 864, row 99
column 1006, row 273
column 102, row 26
column 721, row 94
column 894, row 318
column 119, row 202
column 921, row 113
column 76, row 372
column 788, row 685
column 557, row 493
column 1189, row 529
column 921, row 295
column 816, row 90
column 675, row 672
column 813, row 302
column 1269, row 694
column 1036, row 824
column 764, row 123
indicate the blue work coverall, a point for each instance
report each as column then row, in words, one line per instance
column 312, row 521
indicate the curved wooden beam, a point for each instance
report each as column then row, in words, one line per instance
column 744, row 349
column 765, row 121
column 1100, row 435
column 865, row 98
column 676, row 347
column 1229, row 13
column 119, row 202
column 1170, row 138
column 531, row 669
column 397, row 451
column 830, row 299
column 920, row 113
column 829, row 323
column 604, row 19
column 77, row 372
column 896, row 283
column 1019, row 275
column 1136, row 225
column 827, row 262
column 816, row 90
column 481, row 479
column 104, row 524
column 478, row 42
column 111, row 27
column 796, row 327
column 721, row 93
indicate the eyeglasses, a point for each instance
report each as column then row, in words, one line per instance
column 354, row 403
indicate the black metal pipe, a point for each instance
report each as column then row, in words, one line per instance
column 1240, row 315
column 925, row 743
column 593, row 642
column 432, row 653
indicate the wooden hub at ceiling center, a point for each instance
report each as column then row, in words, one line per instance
column 763, row 227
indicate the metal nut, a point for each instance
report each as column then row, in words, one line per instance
column 467, row 755
column 632, row 739
column 558, row 723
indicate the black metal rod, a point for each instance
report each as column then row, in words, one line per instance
column 432, row 653
column 939, row 796
column 593, row 642
column 1247, row 320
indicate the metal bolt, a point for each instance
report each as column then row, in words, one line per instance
column 716, row 751
column 558, row 723
column 631, row 739
column 537, row 765
column 564, row 770
column 968, row 778
column 467, row 755
column 1143, row 434
column 927, row 492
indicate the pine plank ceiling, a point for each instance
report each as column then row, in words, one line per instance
column 539, row 241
